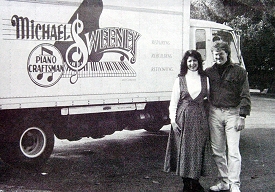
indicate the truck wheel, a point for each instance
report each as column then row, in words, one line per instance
column 33, row 148
column 155, row 123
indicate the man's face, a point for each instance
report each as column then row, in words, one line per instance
column 220, row 57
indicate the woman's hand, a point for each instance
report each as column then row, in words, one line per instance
column 176, row 127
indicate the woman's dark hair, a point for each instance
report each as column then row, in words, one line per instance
column 183, row 65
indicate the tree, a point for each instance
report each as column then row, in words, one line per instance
column 255, row 20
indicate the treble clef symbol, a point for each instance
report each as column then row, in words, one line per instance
column 79, row 56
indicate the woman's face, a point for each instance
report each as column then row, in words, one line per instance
column 192, row 63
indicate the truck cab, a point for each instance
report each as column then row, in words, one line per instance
column 206, row 32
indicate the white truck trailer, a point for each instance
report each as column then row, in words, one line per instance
column 87, row 68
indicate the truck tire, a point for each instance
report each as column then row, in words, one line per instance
column 156, row 122
column 33, row 146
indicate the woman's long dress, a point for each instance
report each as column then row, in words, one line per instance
column 186, row 147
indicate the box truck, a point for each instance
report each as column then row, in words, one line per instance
column 88, row 68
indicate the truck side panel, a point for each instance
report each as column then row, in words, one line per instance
column 69, row 53
column 83, row 68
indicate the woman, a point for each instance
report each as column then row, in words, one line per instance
column 189, row 131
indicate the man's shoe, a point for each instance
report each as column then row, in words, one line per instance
column 222, row 186
column 235, row 188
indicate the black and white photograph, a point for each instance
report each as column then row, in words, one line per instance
column 137, row 96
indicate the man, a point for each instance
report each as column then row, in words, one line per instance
column 230, row 104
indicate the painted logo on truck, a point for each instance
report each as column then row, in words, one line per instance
column 78, row 48
column 45, row 65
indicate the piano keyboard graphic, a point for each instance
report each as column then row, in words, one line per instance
column 103, row 69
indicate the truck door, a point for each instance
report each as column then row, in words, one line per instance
column 204, row 39
column 231, row 39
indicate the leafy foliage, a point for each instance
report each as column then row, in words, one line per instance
column 255, row 20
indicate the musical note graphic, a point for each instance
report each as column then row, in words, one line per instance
column 79, row 56
column 89, row 13
column 39, row 76
column 74, row 77
column 45, row 52
column 50, row 78
column 45, row 65
column 122, row 58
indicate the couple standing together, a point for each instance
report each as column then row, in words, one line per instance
column 226, row 87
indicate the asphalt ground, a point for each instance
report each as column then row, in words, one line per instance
column 257, row 147
column 132, row 161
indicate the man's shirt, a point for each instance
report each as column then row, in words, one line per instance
column 231, row 89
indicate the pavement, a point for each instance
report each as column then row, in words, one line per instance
column 257, row 148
